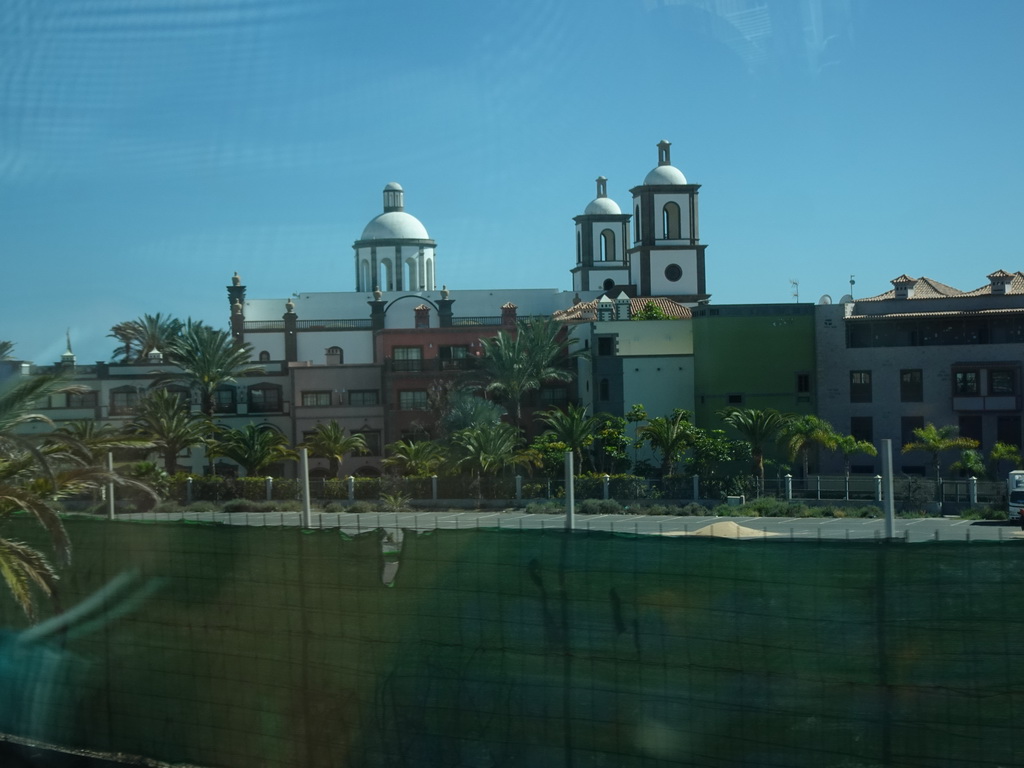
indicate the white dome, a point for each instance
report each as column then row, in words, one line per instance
column 602, row 205
column 665, row 174
column 393, row 185
column 395, row 225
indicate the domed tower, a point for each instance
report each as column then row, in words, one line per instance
column 667, row 258
column 601, row 233
column 395, row 253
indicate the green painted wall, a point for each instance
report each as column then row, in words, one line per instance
column 756, row 352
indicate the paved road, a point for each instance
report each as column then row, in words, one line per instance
column 912, row 529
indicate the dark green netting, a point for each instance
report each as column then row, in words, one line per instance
column 274, row 647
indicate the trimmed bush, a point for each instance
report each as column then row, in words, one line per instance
column 599, row 507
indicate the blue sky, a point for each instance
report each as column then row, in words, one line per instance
column 150, row 149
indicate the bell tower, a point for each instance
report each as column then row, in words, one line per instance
column 601, row 232
column 667, row 257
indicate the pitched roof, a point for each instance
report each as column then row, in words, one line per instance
column 924, row 288
column 586, row 311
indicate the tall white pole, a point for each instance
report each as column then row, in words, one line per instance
column 110, row 486
column 888, row 502
column 307, row 515
column 570, row 494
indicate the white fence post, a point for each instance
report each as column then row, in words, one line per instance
column 269, row 483
column 433, row 487
column 972, row 491
column 607, row 481
column 351, row 488
column 789, row 487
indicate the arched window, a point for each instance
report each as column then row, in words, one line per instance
column 364, row 275
column 603, row 390
column 608, row 284
column 264, row 356
column 670, row 221
column 607, row 245
column 430, row 274
column 636, row 225
column 385, row 283
column 334, row 356
column 413, row 278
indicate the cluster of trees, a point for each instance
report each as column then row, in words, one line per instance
column 473, row 426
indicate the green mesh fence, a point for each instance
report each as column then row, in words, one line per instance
column 274, row 647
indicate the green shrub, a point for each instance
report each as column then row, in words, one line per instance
column 202, row 506
column 242, row 505
column 360, row 508
column 394, row 502
column 599, row 507
column 335, row 508
column 985, row 513
column 169, row 508
column 544, row 508
column 693, row 509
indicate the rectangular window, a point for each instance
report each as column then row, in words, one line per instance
column 1008, row 430
column 407, row 358
column 970, row 426
column 911, row 386
column 907, row 426
column 965, row 383
column 1002, row 381
column 453, row 358
column 363, row 397
column 605, row 345
column 862, row 428
column 553, row 396
column 122, row 403
column 803, row 383
column 412, row 400
column 224, row 401
column 322, row 398
column 264, row 399
column 735, row 399
column 372, row 440
column 860, row 386
column 83, row 399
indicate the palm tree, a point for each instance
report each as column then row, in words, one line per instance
column 515, row 364
column 936, row 441
column 669, row 437
column 254, row 447
column 415, row 458
column 573, row 428
column 848, row 445
column 162, row 417
column 329, row 441
column 806, row 432
column 88, row 442
column 143, row 335
column 759, row 427
column 33, row 477
column 488, row 449
column 6, row 350
column 208, row 359
column 1004, row 452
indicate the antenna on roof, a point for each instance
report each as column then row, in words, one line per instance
column 795, row 285
column 852, row 281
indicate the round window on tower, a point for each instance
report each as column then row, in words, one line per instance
column 673, row 272
column 608, row 284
